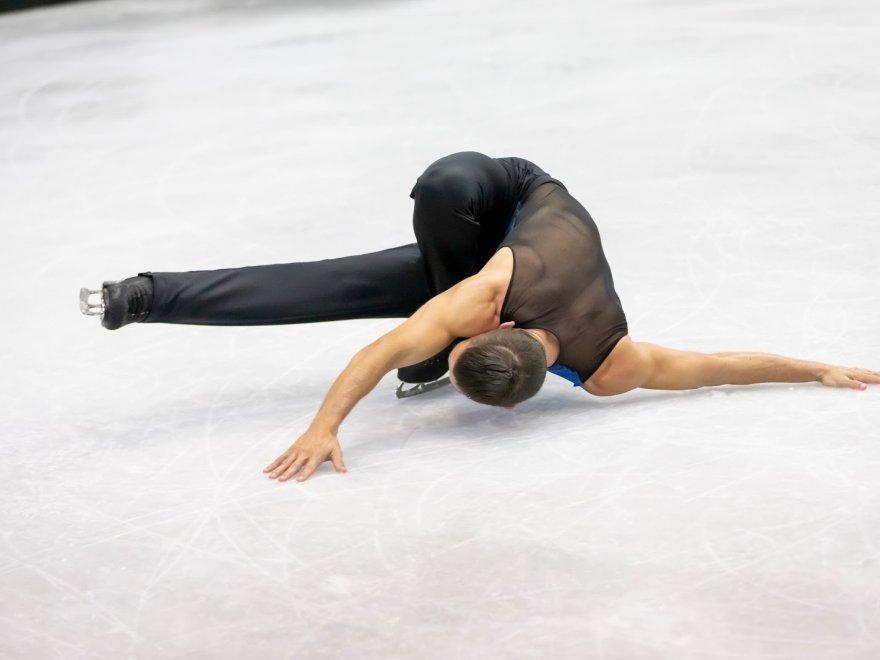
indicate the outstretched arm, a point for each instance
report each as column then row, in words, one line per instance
column 683, row 370
column 459, row 312
column 417, row 339
column 640, row 364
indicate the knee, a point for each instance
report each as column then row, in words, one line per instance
column 452, row 181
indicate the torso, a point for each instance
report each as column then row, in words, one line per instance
column 549, row 274
column 561, row 283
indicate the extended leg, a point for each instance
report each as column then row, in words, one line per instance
column 462, row 205
column 385, row 284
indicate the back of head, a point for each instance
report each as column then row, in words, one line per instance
column 501, row 368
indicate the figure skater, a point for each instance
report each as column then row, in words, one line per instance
column 507, row 280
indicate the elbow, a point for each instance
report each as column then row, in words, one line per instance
column 386, row 351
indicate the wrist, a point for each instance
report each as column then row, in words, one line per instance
column 323, row 425
column 819, row 370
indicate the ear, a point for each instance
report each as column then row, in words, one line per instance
column 507, row 326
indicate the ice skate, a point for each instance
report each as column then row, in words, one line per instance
column 420, row 388
column 425, row 376
column 120, row 302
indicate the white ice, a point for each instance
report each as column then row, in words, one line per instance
column 730, row 153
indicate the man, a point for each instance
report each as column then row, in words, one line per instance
column 507, row 281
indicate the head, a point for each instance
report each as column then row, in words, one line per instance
column 500, row 368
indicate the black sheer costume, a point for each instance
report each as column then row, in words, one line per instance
column 561, row 281
column 464, row 207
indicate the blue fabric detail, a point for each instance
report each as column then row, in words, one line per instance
column 564, row 372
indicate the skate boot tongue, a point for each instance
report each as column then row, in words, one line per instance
column 128, row 301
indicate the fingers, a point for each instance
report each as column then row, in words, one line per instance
column 859, row 378
column 294, row 467
column 854, row 384
column 866, row 376
column 310, row 467
column 274, row 464
column 846, row 381
column 281, row 464
column 288, row 465
column 854, row 379
column 336, row 457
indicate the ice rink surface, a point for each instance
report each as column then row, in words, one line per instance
column 730, row 153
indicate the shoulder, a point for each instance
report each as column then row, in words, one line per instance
column 472, row 306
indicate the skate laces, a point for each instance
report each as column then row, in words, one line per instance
column 138, row 301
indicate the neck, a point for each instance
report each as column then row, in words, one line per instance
column 548, row 341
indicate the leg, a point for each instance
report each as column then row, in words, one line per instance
column 463, row 203
column 385, row 284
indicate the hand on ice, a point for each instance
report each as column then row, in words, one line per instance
column 305, row 455
column 856, row 379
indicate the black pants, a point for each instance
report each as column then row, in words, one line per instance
column 462, row 207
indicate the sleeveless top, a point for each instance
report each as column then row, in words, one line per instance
column 561, row 280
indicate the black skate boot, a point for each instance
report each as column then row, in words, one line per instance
column 123, row 302
column 425, row 376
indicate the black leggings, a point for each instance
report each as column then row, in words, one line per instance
column 458, row 226
column 462, row 206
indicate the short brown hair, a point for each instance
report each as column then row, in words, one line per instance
column 501, row 367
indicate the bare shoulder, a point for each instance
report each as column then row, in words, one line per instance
column 473, row 306
column 624, row 369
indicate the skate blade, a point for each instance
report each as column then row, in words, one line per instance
column 87, row 307
column 420, row 388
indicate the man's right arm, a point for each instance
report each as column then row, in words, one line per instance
column 409, row 343
column 457, row 312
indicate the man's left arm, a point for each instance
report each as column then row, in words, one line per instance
column 640, row 364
